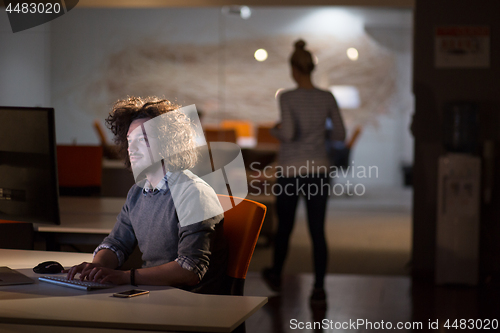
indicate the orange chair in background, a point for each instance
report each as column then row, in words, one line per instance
column 100, row 132
column 220, row 135
column 264, row 135
column 243, row 128
column 354, row 137
column 242, row 224
column 16, row 235
column 109, row 151
column 79, row 169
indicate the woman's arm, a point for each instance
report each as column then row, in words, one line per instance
column 338, row 132
column 285, row 131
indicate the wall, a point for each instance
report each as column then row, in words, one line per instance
column 24, row 65
column 100, row 55
column 433, row 87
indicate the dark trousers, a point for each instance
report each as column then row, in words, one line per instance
column 315, row 188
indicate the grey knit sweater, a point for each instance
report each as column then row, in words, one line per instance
column 151, row 221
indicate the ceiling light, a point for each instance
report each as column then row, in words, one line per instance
column 243, row 11
column 260, row 55
column 352, row 54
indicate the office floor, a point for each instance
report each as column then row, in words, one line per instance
column 370, row 234
column 369, row 247
column 373, row 299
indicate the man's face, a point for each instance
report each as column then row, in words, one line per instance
column 138, row 147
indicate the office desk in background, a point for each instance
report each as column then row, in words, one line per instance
column 83, row 221
column 116, row 179
column 59, row 309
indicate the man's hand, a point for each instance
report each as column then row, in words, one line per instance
column 104, row 275
column 103, row 258
column 84, row 269
column 97, row 273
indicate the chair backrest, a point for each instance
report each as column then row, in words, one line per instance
column 243, row 128
column 220, row 135
column 16, row 235
column 109, row 151
column 79, row 166
column 100, row 132
column 264, row 135
column 355, row 136
column 242, row 225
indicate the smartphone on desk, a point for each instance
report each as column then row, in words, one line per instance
column 131, row 293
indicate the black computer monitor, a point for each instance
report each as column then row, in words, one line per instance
column 28, row 165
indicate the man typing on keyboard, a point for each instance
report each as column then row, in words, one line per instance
column 171, row 214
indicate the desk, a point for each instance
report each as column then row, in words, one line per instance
column 164, row 309
column 85, row 215
column 83, row 221
column 116, row 179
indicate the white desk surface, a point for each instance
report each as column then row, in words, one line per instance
column 21, row 259
column 80, row 224
column 85, row 215
column 164, row 308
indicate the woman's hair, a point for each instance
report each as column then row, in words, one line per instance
column 173, row 129
column 302, row 59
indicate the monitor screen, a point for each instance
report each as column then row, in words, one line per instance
column 28, row 167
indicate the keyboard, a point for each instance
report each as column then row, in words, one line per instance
column 78, row 284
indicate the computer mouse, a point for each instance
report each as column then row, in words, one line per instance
column 48, row 267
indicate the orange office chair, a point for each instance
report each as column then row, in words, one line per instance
column 354, row 137
column 16, row 235
column 109, row 151
column 264, row 135
column 243, row 128
column 220, row 135
column 242, row 225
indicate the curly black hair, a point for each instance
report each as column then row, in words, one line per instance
column 127, row 110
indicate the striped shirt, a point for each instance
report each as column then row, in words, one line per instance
column 304, row 113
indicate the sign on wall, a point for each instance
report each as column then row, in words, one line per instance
column 462, row 47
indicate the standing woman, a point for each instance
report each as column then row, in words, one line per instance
column 305, row 164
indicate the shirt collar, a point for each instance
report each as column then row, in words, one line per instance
column 161, row 187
